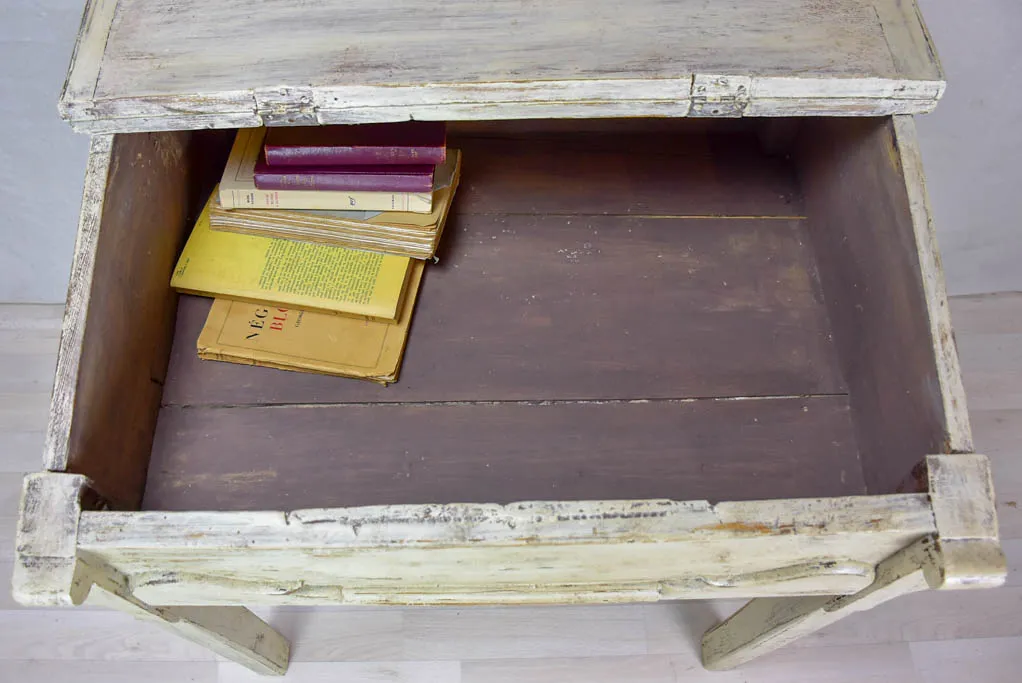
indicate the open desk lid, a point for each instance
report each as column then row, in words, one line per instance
column 144, row 65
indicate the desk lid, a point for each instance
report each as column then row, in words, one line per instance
column 177, row 64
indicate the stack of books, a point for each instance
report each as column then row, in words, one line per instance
column 314, row 245
column 385, row 187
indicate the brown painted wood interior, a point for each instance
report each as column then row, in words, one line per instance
column 153, row 191
column 602, row 300
column 862, row 234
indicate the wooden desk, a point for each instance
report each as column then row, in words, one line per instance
column 712, row 356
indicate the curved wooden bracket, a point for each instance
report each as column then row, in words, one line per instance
column 49, row 571
column 964, row 553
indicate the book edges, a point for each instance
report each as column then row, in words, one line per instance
column 312, row 368
column 408, row 142
column 238, row 189
column 344, row 179
column 337, row 155
column 384, row 232
column 378, row 316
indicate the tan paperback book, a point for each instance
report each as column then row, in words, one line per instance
column 271, row 336
column 391, row 232
column 238, row 190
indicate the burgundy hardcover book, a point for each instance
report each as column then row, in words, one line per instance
column 409, row 142
column 410, row 178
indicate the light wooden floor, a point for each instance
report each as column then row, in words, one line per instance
column 925, row 638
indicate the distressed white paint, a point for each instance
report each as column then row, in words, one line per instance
column 965, row 513
column 50, row 570
column 964, row 554
column 949, row 373
column 600, row 551
column 970, row 168
column 72, row 336
column 142, row 67
column 231, row 632
column 566, row 552
column 816, row 577
column 765, row 625
column 45, row 568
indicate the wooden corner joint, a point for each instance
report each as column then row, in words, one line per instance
column 967, row 549
column 46, row 569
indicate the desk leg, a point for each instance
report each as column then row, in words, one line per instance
column 964, row 554
column 50, row 571
column 766, row 624
column 232, row 632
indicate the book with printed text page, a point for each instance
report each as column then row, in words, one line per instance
column 291, row 273
column 270, row 335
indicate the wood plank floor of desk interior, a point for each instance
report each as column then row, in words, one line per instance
column 601, row 299
column 927, row 640
column 551, row 357
column 287, row 457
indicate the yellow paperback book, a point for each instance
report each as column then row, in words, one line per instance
column 293, row 274
column 293, row 339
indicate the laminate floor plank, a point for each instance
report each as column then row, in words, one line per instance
column 95, row 635
column 23, row 448
column 999, row 660
column 480, row 633
column 352, row 672
column 341, row 634
column 878, row 663
column 35, row 671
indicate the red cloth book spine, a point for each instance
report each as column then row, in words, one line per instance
column 411, row 142
column 417, row 178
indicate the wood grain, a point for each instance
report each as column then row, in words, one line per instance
column 872, row 235
column 141, row 194
column 978, row 632
column 672, row 168
column 151, row 66
column 525, row 553
column 911, row 45
column 766, row 624
column 541, row 295
column 567, row 307
column 258, row 458
column 928, row 616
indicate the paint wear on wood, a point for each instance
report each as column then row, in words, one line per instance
column 144, row 66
